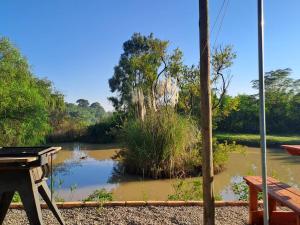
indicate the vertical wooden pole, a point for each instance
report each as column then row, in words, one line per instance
column 206, row 116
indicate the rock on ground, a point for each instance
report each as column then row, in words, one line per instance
column 134, row 216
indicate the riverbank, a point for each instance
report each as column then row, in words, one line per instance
column 227, row 215
column 253, row 140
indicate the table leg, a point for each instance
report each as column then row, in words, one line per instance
column 45, row 193
column 253, row 205
column 5, row 200
column 30, row 199
column 272, row 206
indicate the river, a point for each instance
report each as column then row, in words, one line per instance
column 79, row 169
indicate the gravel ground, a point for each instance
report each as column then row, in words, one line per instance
column 135, row 216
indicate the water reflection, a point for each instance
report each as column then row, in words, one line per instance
column 79, row 169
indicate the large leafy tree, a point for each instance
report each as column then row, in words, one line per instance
column 189, row 82
column 143, row 63
column 280, row 93
column 26, row 101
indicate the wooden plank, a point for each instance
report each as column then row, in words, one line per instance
column 17, row 159
column 283, row 218
column 285, row 186
column 286, row 196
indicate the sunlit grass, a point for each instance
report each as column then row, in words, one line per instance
column 254, row 139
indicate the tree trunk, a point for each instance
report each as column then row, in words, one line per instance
column 206, row 116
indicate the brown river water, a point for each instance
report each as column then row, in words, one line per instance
column 79, row 169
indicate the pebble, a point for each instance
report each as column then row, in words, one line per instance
column 153, row 215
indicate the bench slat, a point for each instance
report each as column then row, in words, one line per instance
column 282, row 193
column 285, row 186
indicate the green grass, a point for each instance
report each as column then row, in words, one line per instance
column 254, row 139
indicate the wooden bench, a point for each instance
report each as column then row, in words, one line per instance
column 278, row 194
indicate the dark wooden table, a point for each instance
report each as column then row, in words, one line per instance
column 26, row 172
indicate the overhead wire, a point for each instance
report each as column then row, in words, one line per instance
column 215, row 22
column 221, row 24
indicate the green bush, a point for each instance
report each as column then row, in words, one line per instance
column 221, row 153
column 187, row 190
column 100, row 196
column 163, row 145
column 241, row 190
column 105, row 131
column 16, row 197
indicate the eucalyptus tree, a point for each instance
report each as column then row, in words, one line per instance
column 144, row 62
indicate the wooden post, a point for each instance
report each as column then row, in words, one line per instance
column 253, row 205
column 206, row 116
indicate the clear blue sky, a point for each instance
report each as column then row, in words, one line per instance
column 76, row 43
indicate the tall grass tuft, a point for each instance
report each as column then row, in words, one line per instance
column 165, row 144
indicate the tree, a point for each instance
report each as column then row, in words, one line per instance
column 280, row 90
column 142, row 64
column 83, row 103
column 189, row 82
column 222, row 59
column 98, row 110
column 282, row 106
column 244, row 119
column 27, row 103
column 96, row 105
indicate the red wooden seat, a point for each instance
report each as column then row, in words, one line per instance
column 278, row 192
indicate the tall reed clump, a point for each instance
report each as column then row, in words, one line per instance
column 165, row 144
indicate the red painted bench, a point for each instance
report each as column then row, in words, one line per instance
column 278, row 193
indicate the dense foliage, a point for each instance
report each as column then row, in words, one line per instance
column 29, row 106
column 32, row 111
column 282, row 107
column 81, row 122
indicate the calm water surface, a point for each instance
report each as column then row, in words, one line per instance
column 79, row 169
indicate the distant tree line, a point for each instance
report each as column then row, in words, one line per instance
column 282, row 107
column 77, row 122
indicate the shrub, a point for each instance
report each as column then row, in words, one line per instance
column 100, row 196
column 187, row 190
column 16, row 197
column 241, row 190
column 163, row 145
column 105, row 131
column 221, row 153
